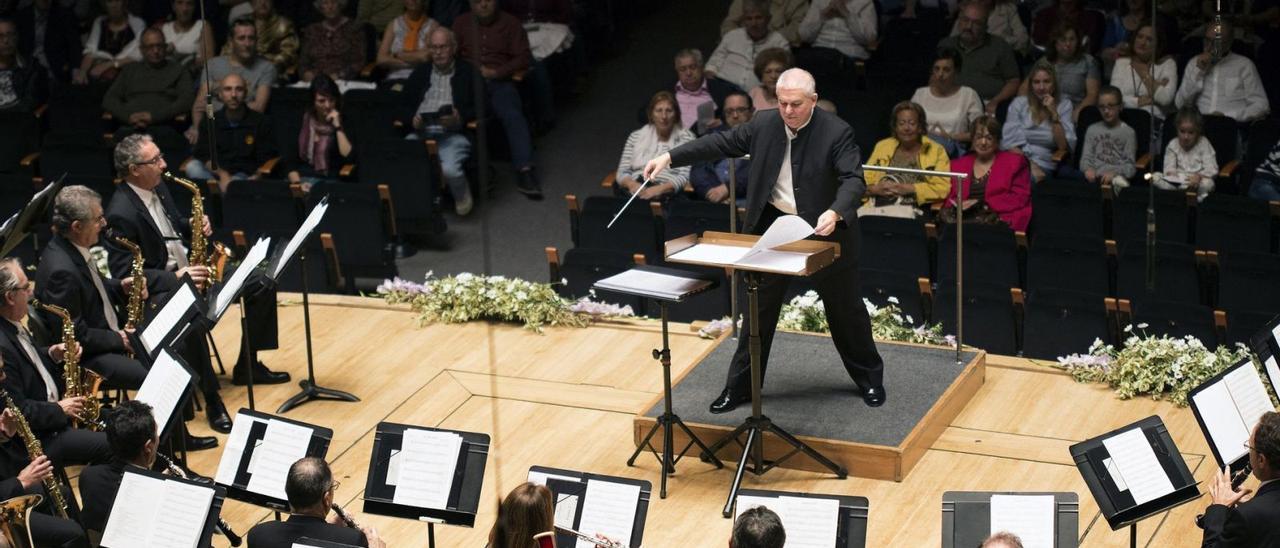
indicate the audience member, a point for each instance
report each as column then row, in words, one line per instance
column 734, row 59
column 1190, row 163
column 1231, row 520
column 1266, row 180
column 987, row 61
column 380, row 13
column 404, row 43
column 112, row 43
column 528, row 511
column 310, row 488
column 999, row 185
column 1077, row 72
column 827, row 105
column 1110, row 145
column 135, row 442
column 277, row 38
column 949, row 106
column 439, row 99
column 494, row 41
column 244, row 138
column 1039, row 123
column 769, row 65
column 1222, row 82
column 1088, row 23
column 693, row 89
column 907, row 147
column 1003, row 21
column 663, row 133
column 1121, row 26
column 784, row 17
column 49, row 38
column 152, row 92
column 758, row 527
column 188, row 38
column 711, row 179
column 1002, row 539
column 258, row 73
column 546, row 24
column 844, row 26
column 1132, row 75
column 322, row 142
column 22, row 85
column 333, row 46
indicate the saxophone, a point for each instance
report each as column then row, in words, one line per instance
column 34, row 450
column 79, row 383
column 134, row 311
column 215, row 259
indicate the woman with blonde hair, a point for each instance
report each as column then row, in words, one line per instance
column 1039, row 123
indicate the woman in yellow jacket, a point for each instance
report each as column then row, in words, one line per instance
column 908, row 147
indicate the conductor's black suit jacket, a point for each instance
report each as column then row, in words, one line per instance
column 63, row 279
column 826, row 171
column 1255, row 523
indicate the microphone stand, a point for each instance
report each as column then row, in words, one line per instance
column 208, row 98
column 733, row 229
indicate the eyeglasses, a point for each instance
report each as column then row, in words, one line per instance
column 151, row 161
column 335, row 485
column 1249, row 447
column 24, row 287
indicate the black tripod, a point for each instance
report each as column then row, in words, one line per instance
column 310, row 390
column 757, row 424
column 668, row 420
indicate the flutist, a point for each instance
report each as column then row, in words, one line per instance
column 310, row 487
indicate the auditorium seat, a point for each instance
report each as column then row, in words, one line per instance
column 990, row 255
column 894, row 244
column 1175, row 319
column 880, row 285
column 1129, row 215
column 1247, row 281
column 1237, row 223
column 75, row 157
column 693, row 217
column 1243, row 324
column 1068, row 261
column 318, row 256
column 405, row 168
column 20, row 138
column 1176, row 276
column 16, row 191
column 261, row 207
column 1060, row 322
column 362, row 229
column 573, row 272
column 1067, row 206
column 370, row 114
column 989, row 320
column 635, row 231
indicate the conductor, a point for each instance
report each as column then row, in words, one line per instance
column 803, row 162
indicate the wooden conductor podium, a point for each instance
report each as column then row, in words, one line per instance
column 735, row 252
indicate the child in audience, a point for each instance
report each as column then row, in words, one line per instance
column 1190, row 162
column 1110, row 145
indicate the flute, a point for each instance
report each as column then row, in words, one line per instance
column 345, row 517
column 602, row 543
column 221, row 524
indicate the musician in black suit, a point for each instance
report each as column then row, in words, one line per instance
column 67, row 278
column 1230, row 523
column 310, row 488
column 28, row 479
column 803, row 162
column 143, row 211
column 131, row 431
column 33, row 378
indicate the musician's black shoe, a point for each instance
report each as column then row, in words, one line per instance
column 728, row 401
column 200, row 443
column 261, row 375
column 219, row 420
column 874, row 396
column 527, row 183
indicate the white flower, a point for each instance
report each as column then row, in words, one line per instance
column 1142, row 326
column 893, row 300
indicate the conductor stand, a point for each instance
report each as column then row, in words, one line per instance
column 310, row 390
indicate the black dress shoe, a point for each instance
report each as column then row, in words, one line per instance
column 874, row 396
column 261, row 375
column 527, row 183
column 200, row 443
column 219, row 421
column 728, row 401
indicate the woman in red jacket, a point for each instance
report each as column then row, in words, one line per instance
column 999, row 185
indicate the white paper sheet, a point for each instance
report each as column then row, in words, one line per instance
column 747, row 502
column 428, row 460
column 566, row 509
column 163, row 388
column 308, row 224
column 1030, row 517
column 784, row 230
column 651, row 283
column 1138, row 465
column 165, row 320
column 1114, row 472
column 771, row 259
column 232, row 286
column 233, row 450
column 184, row 511
column 1249, row 395
column 393, row 468
column 139, row 499
column 1221, row 419
column 810, row 522
column 1273, row 372
column 711, row 253
column 283, row 444
column 151, row 512
column 1275, row 334
column 541, row 478
column 609, row 509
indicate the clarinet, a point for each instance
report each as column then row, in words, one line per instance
column 602, row 543
column 345, row 517
column 221, row 524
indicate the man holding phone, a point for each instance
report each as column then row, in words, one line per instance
column 439, row 99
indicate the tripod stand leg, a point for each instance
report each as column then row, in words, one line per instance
column 644, row 443
column 706, row 452
column 803, row 447
column 752, row 434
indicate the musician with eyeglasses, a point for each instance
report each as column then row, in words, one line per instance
column 1231, row 520
column 310, row 487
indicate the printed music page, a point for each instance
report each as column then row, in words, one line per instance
column 151, row 512
column 1273, row 372
column 185, row 510
column 654, row 283
column 541, row 478
column 1222, row 421
column 1030, row 517
column 1138, row 465
column 300, row 236
column 428, row 460
column 747, row 502
column 1249, row 395
column 810, row 522
column 234, row 449
column 712, row 253
column 137, row 502
column 609, row 509
column 168, row 317
column 784, row 230
column 231, row 289
column 163, row 388
column 283, row 445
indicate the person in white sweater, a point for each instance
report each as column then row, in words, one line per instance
column 847, row 26
column 1132, row 75
column 663, row 133
column 734, row 59
column 950, row 106
column 1190, row 162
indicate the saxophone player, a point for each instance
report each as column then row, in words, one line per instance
column 33, row 378
column 143, row 211
column 131, row 431
column 19, row 480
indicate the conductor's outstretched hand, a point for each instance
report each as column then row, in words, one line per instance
column 826, row 223
column 656, row 165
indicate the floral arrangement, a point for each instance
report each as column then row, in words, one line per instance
column 1157, row 365
column 806, row 313
column 467, row 297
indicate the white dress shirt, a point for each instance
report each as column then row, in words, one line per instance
column 107, row 310
column 29, row 347
column 172, row 241
column 784, row 192
column 1231, row 87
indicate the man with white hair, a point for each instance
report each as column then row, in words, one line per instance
column 804, row 162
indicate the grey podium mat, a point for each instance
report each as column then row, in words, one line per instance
column 808, row 393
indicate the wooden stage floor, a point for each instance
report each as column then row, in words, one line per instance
column 567, row 399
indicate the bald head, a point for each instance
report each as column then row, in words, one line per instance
column 232, row 91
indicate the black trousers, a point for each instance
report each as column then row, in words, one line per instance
column 48, row 530
column 117, row 370
column 75, row 446
column 846, row 314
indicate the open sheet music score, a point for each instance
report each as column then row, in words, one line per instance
column 308, row 224
column 1273, row 371
column 1136, row 464
column 269, row 458
column 1229, row 407
column 164, row 387
column 152, row 512
column 608, row 509
column 809, row 522
column 1031, row 517
column 164, row 322
column 422, row 471
column 231, row 288
column 786, row 229
column 654, row 282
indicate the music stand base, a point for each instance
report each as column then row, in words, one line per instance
column 313, row 392
column 753, row 450
column 668, row 459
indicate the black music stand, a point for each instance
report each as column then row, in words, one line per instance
column 570, row 483
column 215, row 505
column 1237, row 463
column 665, row 285
column 1119, row 506
column 851, row 526
column 238, row 489
column 18, row 226
column 966, row 517
column 816, row 256
column 464, row 493
column 174, row 421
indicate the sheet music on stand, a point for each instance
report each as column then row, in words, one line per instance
column 1266, row 344
column 156, row 511
column 18, row 225
column 170, row 324
column 1050, row 520
column 762, row 255
column 1227, row 406
column 656, row 282
column 259, row 452
column 165, row 386
column 1031, row 517
column 306, row 542
column 225, row 294
column 281, row 260
column 811, row 519
column 592, row 503
column 1135, row 471
column 426, row 474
